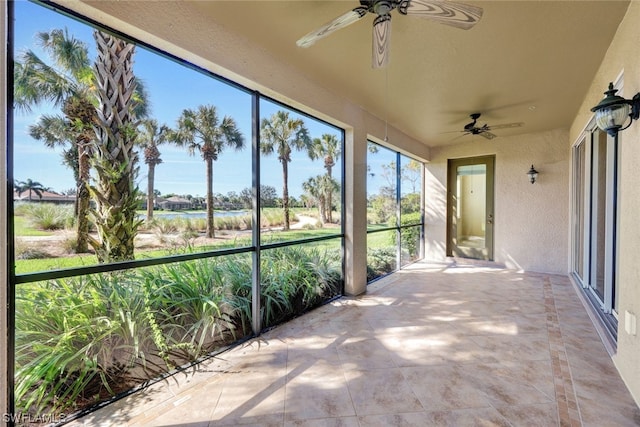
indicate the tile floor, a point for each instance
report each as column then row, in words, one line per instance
column 432, row 345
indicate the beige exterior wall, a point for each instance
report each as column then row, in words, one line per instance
column 623, row 56
column 531, row 221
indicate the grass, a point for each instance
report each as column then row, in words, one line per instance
column 82, row 260
column 22, row 227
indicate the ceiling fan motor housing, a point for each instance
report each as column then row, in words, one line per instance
column 380, row 7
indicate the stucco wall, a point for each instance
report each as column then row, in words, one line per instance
column 623, row 56
column 531, row 220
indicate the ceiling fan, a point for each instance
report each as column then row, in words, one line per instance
column 485, row 130
column 446, row 12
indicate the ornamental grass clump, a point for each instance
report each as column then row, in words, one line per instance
column 74, row 338
column 47, row 216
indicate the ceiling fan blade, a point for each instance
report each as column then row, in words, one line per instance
column 459, row 15
column 487, row 135
column 338, row 23
column 507, row 126
column 381, row 37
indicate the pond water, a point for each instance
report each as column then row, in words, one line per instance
column 198, row 215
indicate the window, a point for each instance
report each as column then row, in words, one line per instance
column 179, row 232
column 394, row 211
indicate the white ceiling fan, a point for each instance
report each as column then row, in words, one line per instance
column 450, row 13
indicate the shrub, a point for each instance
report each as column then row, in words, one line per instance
column 47, row 216
column 410, row 236
column 74, row 337
column 80, row 340
column 380, row 261
column 26, row 251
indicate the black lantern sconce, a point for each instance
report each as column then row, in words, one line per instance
column 533, row 174
column 614, row 111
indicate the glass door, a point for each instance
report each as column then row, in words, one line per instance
column 470, row 208
column 594, row 221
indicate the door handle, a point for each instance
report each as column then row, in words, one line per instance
column 490, row 219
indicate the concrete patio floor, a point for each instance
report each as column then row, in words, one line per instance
column 432, row 345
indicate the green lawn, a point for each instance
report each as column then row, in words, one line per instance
column 48, row 264
column 22, row 227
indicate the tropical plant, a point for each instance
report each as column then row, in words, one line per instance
column 114, row 159
column 282, row 134
column 319, row 188
column 31, row 187
column 54, row 131
column 149, row 138
column 202, row 131
column 67, row 334
column 380, row 261
column 67, row 83
column 78, row 339
column 188, row 297
column 327, row 148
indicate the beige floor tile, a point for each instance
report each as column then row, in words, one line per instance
column 381, row 391
column 433, row 345
column 444, row 387
column 359, row 354
column 541, row 415
column 249, row 396
column 324, row 422
column 318, row 390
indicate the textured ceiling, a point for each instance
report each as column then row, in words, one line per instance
column 528, row 62
column 525, row 61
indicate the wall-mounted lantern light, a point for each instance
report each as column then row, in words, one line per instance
column 614, row 111
column 533, row 174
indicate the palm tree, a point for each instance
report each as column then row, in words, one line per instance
column 281, row 134
column 318, row 188
column 31, row 187
column 55, row 131
column 149, row 138
column 115, row 160
column 201, row 131
column 327, row 147
column 67, row 83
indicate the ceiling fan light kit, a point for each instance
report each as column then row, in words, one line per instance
column 457, row 15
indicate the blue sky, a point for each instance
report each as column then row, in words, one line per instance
column 172, row 88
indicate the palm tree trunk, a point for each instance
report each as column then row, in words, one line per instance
column 115, row 159
column 210, row 230
column 150, row 195
column 84, row 200
column 329, row 197
column 285, row 193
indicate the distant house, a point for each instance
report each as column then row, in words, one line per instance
column 175, row 203
column 44, row 197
